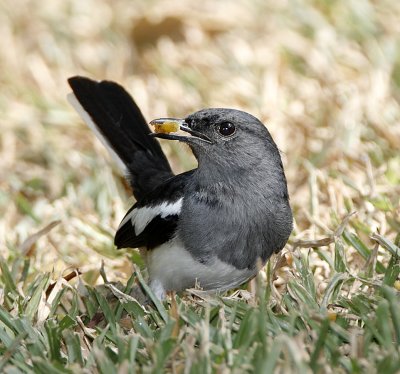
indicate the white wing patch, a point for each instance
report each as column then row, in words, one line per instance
column 89, row 121
column 141, row 217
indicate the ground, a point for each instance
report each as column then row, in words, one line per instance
column 324, row 76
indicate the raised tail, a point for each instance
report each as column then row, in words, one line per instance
column 117, row 121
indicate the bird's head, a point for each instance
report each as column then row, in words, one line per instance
column 220, row 135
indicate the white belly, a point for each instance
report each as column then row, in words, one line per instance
column 172, row 268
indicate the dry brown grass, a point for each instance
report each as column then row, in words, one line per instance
column 323, row 76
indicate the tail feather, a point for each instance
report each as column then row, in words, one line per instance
column 118, row 122
column 88, row 120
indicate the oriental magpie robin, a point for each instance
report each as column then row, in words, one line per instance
column 212, row 226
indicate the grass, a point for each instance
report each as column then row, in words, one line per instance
column 323, row 76
column 353, row 326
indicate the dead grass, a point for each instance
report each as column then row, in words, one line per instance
column 324, row 76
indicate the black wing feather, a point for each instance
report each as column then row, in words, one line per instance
column 159, row 230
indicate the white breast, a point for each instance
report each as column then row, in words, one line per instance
column 172, row 268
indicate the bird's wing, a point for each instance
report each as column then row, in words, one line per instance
column 153, row 221
column 118, row 122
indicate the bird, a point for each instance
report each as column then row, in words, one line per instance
column 212, row 227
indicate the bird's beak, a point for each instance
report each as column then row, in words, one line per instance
column 167, row 128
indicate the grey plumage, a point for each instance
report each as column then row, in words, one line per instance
column 236, row 204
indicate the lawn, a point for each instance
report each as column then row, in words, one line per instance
column 324, row 76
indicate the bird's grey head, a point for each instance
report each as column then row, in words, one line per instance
column 219, row 136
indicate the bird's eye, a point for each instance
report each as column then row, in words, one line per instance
column 226, row 128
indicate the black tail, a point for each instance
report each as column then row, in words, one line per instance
column 118, row 122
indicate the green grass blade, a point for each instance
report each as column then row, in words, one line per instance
column 394, row 307
column 154, row 299
column 39, row 292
